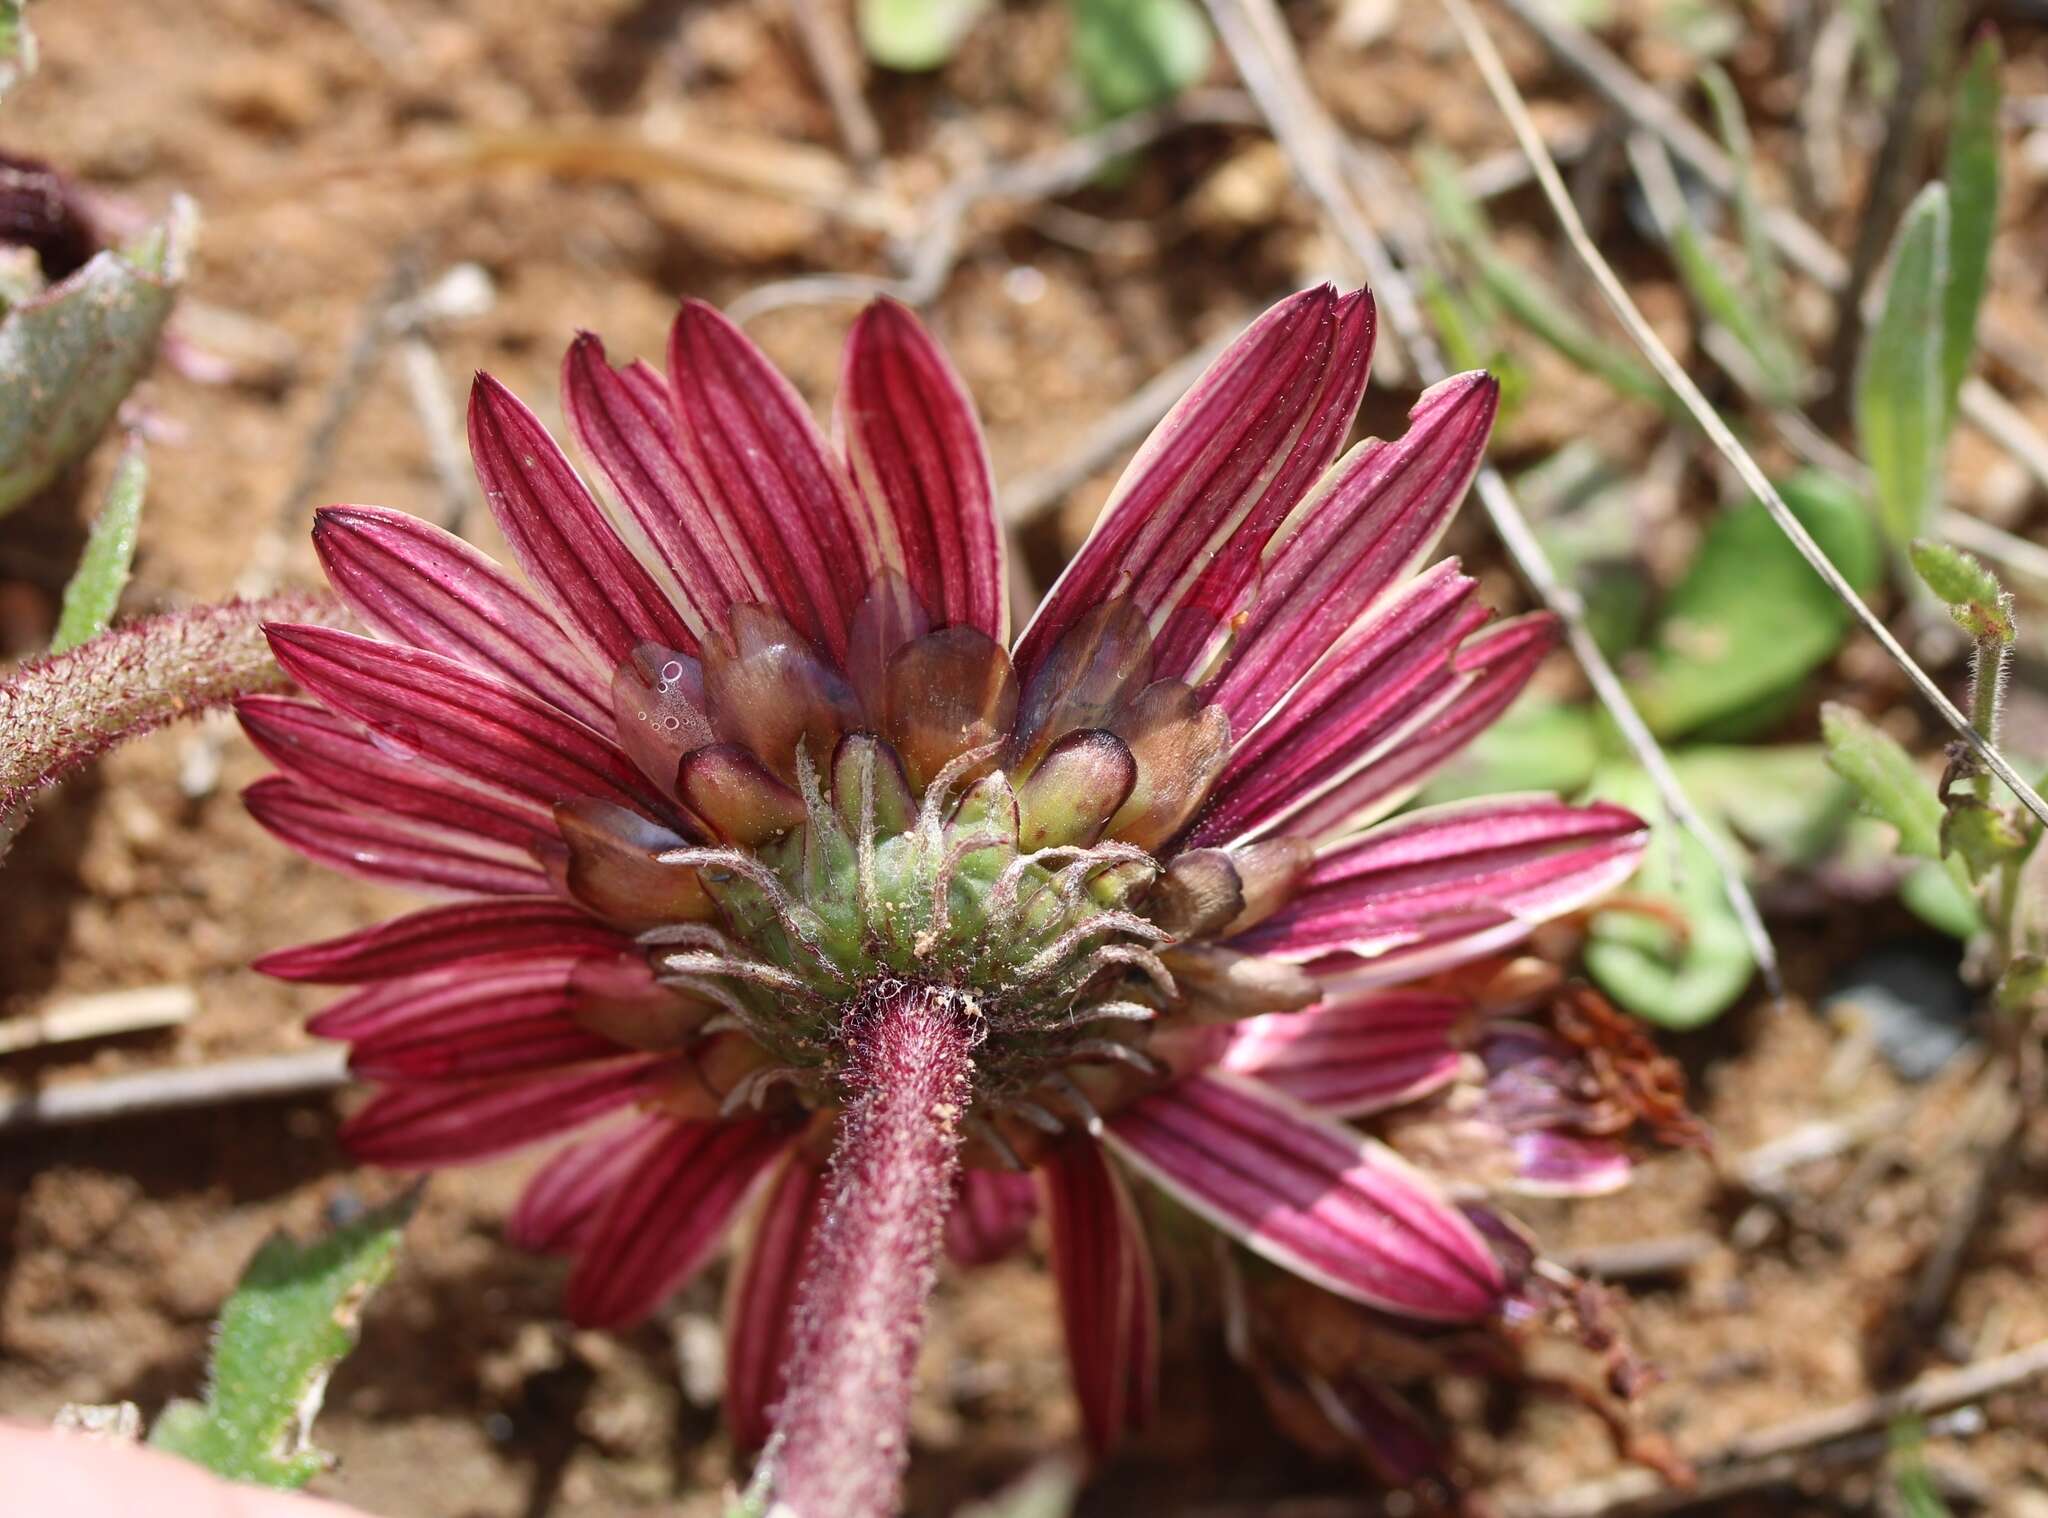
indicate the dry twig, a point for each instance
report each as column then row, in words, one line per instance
column 121, row 1096
column 101, row 1016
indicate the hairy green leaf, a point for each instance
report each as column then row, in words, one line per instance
column 1899, row 406
column 914, row 35
column 95, row 588
column 1131, row 55
column 1971, row 173
column 290, row 1321
column 69, row 357
column 1751, row 618
column 1889, row 786
column 1981, row 835
column 1980, row 605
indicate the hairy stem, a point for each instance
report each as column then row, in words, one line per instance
column 842, row 1438
column 59, row 712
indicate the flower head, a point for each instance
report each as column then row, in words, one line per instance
column 754, row 761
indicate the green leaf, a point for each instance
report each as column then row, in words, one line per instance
column 2024, row 985
column 69, row 357
column 17, row 45
column 914, row 36
column 1131, row 55
column 1534, row 304
column 95, row 588
column 1766, row 278
column 1889, row 785
column 1742, row 314
column 1673, row 982
column 1899, row 407
column 1781, row 800
column 1931, row 893
column 1980, row 605
column 1751, row 618
column 1981, row 835
column 291, row 1319
column 1971, row 173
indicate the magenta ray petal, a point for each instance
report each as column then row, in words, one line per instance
column 761, row 1296
column 1388, row 676
column 625, row 420
column 992, row 1212
column 914, row 447
column 458, row 996
column 1496, row 663
column 426, row 1127
column 333, row 756
column 1352, row 1057
column 419, row 585
column 1184, row 530
column 469, row 722
column 1108, row 1299
column 1335, row 1208
column 666, row 1215
column 505, row 1045
column 556, row 1208
column 1374, row 520
column 602, row 595
column 378, row 849
column 753, row 453
column 1528, row 857
column 440, row 936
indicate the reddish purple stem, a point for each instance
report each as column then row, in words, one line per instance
column 842, row 1429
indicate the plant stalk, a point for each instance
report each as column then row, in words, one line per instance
column 842, row 1431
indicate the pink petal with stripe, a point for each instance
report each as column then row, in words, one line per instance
column 625, row 420
column 376, row 848
column 556, row 1208
column 427, row 1127
column 440, row 936
column 1184, row 530
column 419, row 585
column 1390, row 675
column 753, row 453
column 335, row 757
column 1568, row 1164
column 504, row 1046
column 1352, row 1057
column 1495, row 664
column 1371, row 523
column 761, row 1297
column 484, row 1020
column 992, row 1214
column 600, row 593
column 1530, row 858
column 461, row 996
column 1108, row 1298
column 1314, row 1197
column 914, row 447
column 471, row 723
column 666, row 1215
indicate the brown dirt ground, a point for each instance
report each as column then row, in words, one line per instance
column 315, row 164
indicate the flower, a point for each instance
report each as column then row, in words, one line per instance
column 753, row 763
